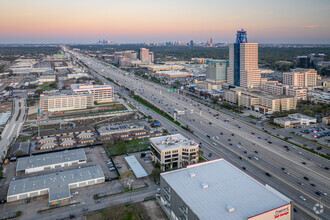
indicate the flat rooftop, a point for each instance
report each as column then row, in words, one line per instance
column 75, row 87
column 136, row 166
column 50, row 159
column 172, row 141
column 57, row 184
column 120, row 127
column 224, row 186
column 173, row 73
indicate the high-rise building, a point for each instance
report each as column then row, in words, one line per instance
column 243, row 68
column 300, row 77
column 216, row 70
column 145, row 56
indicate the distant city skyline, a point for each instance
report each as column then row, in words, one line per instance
column 86, row 21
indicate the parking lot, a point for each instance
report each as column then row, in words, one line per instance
column 29, row 207
column 318, row 132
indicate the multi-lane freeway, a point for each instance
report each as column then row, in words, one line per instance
column 291, row 171
column 13, row 127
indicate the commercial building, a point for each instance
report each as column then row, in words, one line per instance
column 294, row 120
column 121, row 128
column 300, row 77
column 326, row 120
column 49, row 161
column 136, row 167
column 243, row 68
column 65, row 102
column 216, row 70
column 47, row 78
column 145, row 56
column 64, row 132
column 173, row 74
column 174, row 151
column 101, row 93
column 154, row 68
column 218, row 190
column 56, row 185
column 276, row 88
column 259, row 100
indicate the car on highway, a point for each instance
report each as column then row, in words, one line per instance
column 303, row 163
column 98, row 201
column 215, row 144
column 312, row 184
column 323, row 193
column 286, row 172
column 238, row 146
column 244, row 168
column 256, row 152
column 301, row 183
column 306, row 178
column 302, row 198
column 256, row 158
column 253, row 133
column 268, row 174
column 318, row 193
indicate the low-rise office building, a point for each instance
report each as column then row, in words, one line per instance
column 49, row 161
column 64, row 132
column 294, row 120
column 300, row 77
column 218, row 190
column 56, row 185
column 47, row 78
column 64, row 102
column 174, row 151
column 101, row 93
column 259, row 100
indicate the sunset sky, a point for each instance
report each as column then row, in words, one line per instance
column 132, row 21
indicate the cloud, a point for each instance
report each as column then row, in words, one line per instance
column 310, row 26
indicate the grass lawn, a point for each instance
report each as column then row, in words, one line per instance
column 253, row 117
column 274, row 125
column 132, row 106
column 135, row 211
column 46, row 88
column 127, row 147
column 126, row 212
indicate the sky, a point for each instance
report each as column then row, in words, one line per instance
column 135, row 21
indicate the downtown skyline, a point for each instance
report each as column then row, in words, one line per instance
column 37, row 21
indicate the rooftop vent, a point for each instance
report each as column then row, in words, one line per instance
column 230, row 208
column 205, row 185
column 191, row 174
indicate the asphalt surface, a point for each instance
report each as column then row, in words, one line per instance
column 269, row 158
column 13, row 127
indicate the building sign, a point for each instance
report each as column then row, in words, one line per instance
column 281, row 212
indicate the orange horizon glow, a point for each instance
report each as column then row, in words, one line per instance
column 152, row 19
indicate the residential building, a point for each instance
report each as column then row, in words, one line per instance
column 101, row 93
column 300, row 77
column 294, row 120
column 219, row 190
column 174, row 151
column 65, row 102
column 243, row 68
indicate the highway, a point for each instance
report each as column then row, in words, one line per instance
column 236, row 141
column 13, row 127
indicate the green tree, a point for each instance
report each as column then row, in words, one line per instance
column 155, row 175
column 127, row 178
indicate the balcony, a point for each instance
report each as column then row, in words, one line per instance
column 167, row 190
column 184, row 210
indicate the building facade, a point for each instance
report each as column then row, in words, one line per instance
column 216, row 70
column 63, row 102
column 101, row 93
column 243, row 68
column 218, row 190
column 145, row 56
column 174, row 151
column 300, row 77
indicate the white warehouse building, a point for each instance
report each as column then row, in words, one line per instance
column 49, row 161
column 57, row 185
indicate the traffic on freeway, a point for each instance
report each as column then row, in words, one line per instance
column 291, row 170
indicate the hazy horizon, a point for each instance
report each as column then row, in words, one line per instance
column 86, row 22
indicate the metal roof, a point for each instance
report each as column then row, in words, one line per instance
column 57, row 184
column 136, row 166
column 209, row 188
column 42, row 160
